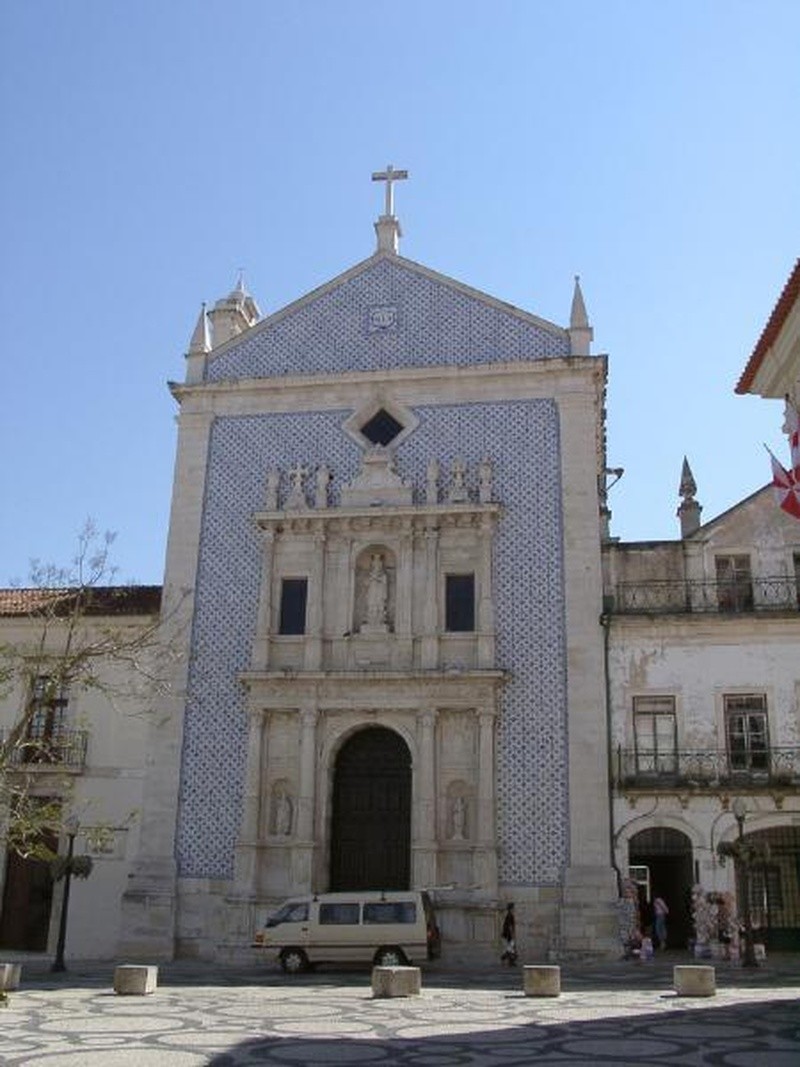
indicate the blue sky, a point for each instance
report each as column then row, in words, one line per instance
column 152, row 149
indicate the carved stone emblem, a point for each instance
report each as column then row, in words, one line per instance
column 382, row 318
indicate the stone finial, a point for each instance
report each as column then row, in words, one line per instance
column 581, row 333
column 200, row 342
column 199, row 347
column 689, row 510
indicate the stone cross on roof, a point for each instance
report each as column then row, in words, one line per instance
column 390, row 176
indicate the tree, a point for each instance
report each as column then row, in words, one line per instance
column 70, row 631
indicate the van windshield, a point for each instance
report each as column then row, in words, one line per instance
column 290, row 913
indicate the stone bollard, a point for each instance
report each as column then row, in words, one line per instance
column 10, row 974
column 396, row 981
column 540, row 980
column 694, row 981
column 137, row 979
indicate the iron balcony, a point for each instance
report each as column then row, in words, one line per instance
column 707, row 770
column 678, row 596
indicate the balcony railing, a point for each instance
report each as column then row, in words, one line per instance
column 707, row 769
column 681, row 597
column 63, row 750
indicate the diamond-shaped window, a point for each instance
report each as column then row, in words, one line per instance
column 382, row 428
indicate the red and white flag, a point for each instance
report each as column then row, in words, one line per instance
column 787, row 488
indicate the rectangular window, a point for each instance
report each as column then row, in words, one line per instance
column 294, row 595
column 734, row 583
column 655, row 731
column 47, row 711
column 747, row 733
column 391, row 911
column 459, row 601
column 338, row 914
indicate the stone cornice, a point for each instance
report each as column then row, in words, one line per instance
column 413, row 385
column 402, row 517
column 378, row 690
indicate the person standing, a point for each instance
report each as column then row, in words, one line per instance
column 660, row 913
column 508, row 933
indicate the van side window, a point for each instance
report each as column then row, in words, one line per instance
column 391, row 911
column 289, row 913
column 338, row 914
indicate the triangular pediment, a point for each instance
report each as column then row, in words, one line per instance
column 383, row 313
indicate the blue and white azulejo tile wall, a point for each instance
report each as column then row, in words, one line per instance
column 522, row 438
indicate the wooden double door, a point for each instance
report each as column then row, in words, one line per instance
column 371, row 826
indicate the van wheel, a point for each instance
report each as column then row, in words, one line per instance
column 391, row 956
column 293, row 961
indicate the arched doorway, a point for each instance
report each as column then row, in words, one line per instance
column 774, row 885
column 666, row 855
column 371, row 825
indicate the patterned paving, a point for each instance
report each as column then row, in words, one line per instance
column 332, row 1018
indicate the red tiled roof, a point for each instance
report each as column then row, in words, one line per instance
column 791, row 292
column 102, row 600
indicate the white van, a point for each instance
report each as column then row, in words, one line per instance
column 383, row 928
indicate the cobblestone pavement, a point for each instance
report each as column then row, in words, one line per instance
column 621, row 1014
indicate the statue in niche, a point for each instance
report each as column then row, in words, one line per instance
column 273, row 482
column 283, row 813
column 377, row 591
column 432, row 483
column 458, row 817
column 485, row 480
column 458, row 489
column 321, row 493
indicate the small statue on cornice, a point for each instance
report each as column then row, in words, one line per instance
column 432, row 483
column 321, row 492
column 485, row 480
column 297, row 497
column 458, row 489
column 273, row 484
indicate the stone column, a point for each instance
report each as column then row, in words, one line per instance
column 313, row 650
column 486, row 649
column 430, row 627
column 423, row 844
column 404, row 583
column 303, row 849
column 261, row 642
column 251, row 831
column 486, row 851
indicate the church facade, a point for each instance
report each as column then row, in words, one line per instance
column 384, row 573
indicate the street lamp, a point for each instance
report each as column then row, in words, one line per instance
column 71, row 827
column 739, row 809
